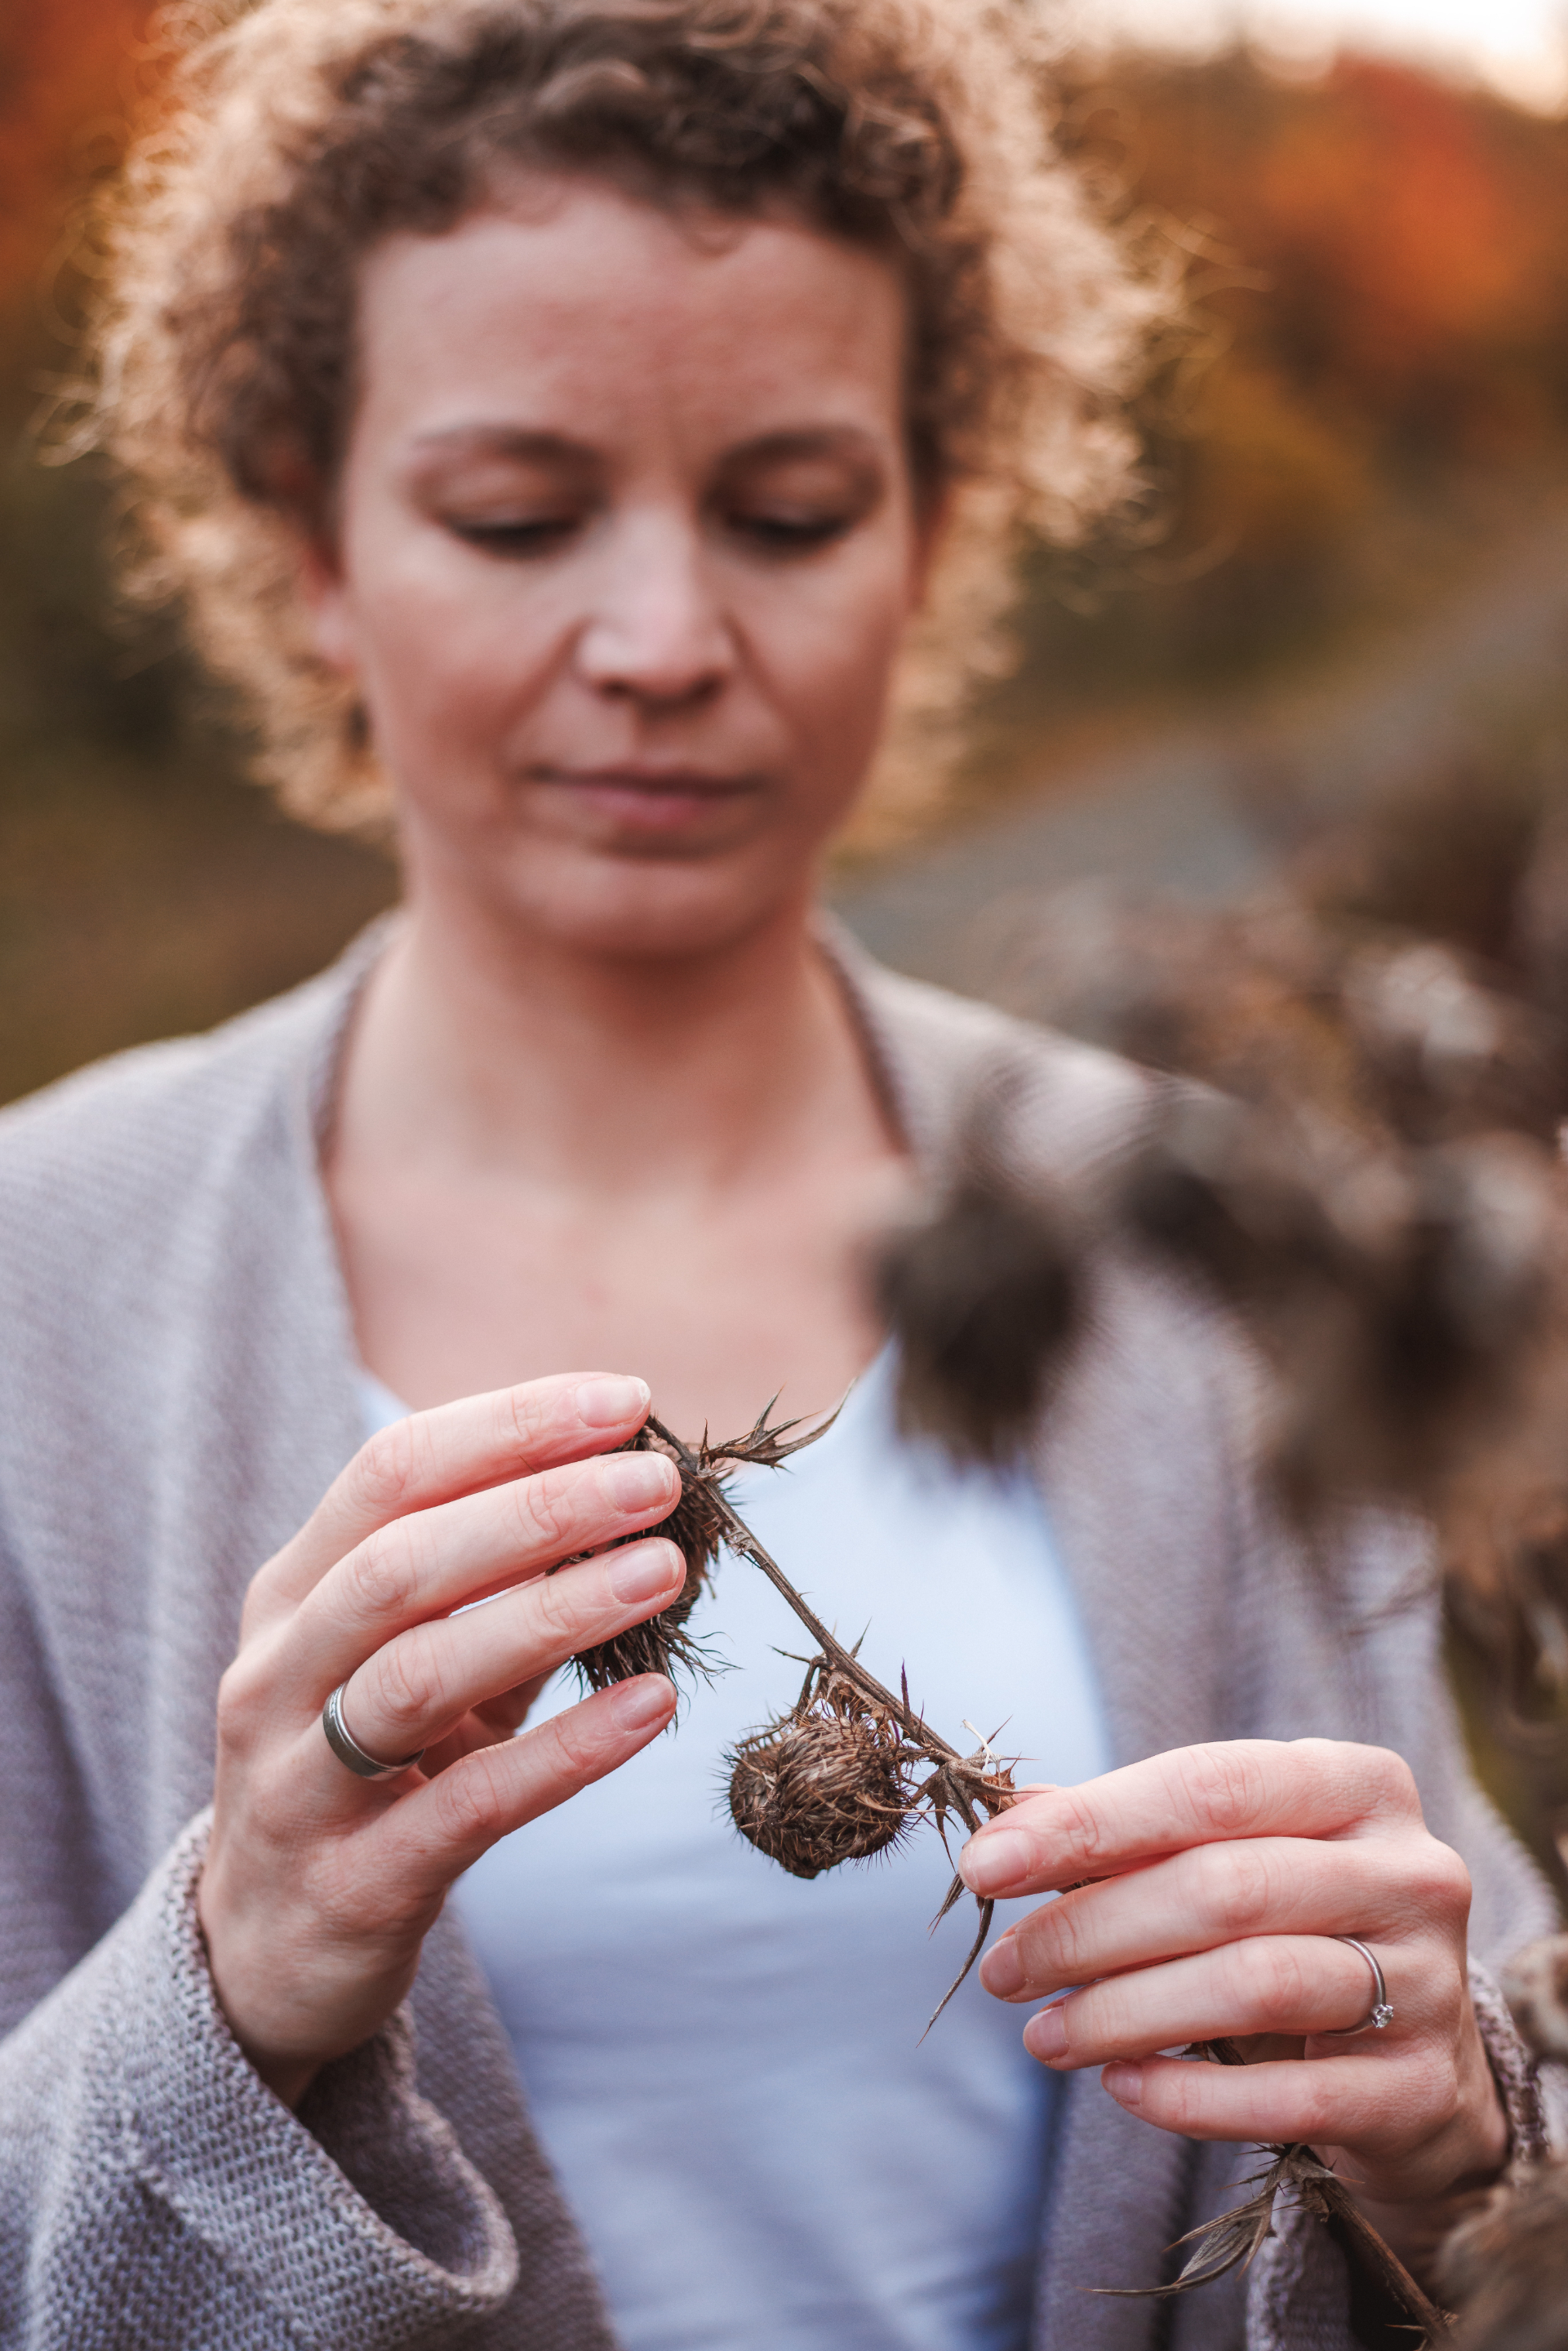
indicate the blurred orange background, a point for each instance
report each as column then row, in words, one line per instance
column 1365, row 442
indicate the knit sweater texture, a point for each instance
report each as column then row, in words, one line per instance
column 177, row 1390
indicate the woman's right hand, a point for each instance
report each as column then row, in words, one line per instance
column 319, row 1887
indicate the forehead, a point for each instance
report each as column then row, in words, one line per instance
column 572, row 305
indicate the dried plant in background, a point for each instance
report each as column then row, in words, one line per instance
column 1383, row 1204
column 1508, row 2268
column 1403, row 1296
column 1358, row 1151
column 984, row 1299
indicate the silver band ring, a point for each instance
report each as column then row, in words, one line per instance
column 1379, row 2014
column 346, row 1749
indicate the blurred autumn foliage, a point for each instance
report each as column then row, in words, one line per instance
column 1378, row 374
column 67, row 76
column 144, row 886
column 1375, row 389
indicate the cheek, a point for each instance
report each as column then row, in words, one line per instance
column 828, row 659
column 448, row 649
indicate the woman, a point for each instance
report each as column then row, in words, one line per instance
column 564, row 416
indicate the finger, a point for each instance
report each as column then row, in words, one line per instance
column 1295, row 1985
column 1362, row 2101
column 443, row 1559
column 429, row 1837
column 410, row 1694
column 433, row 1457
column 1192, row 1796
column 1219, row 1894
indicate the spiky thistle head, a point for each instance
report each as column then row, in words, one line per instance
column 661, row 1644
column 696, row 1525
column 826, row 1783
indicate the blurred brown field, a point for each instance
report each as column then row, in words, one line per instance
column 1375, row 398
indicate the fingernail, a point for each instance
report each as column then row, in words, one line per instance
column 643, row 1569
column 635, row 1481
column 1045, row 2035
column 1125, row 2084
column 650, row 1698
column 989, row 1864
column 1002, row 1970
column 610, row 1401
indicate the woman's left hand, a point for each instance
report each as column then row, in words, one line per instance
column 1219, row 1875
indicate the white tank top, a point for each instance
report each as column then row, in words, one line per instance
column 723, row 2062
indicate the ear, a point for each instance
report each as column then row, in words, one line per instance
column 330, row 604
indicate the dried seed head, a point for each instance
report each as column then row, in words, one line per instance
column 1398, row 1293
column 1507, row 2269
column 983, row 1301
column 823, row 1785
column 695, row 1527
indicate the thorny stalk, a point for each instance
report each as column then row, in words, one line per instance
column 1234, row 2239
column 967, row 1785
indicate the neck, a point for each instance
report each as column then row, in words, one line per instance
column 489, row 1044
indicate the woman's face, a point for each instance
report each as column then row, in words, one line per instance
column 625, row 549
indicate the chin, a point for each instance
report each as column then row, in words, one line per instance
column 659, row 910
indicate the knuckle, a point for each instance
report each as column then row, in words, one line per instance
column 548, row 1513
column 558, row 1600
column 406, row 1685
column 1237, row 1885
column 1431, row 2091
column 468, row 1799
column 242, row 1702
column 1390, row 1781
column 1079, row 1826
column 580, row 1740
column 525, row 1412
column 388, row 1470
column 1223, row 1783
column 1051, row 1941
column 1276, row 1987
column 381, row 1575
column 1438, row 1881
column 1319, row 2115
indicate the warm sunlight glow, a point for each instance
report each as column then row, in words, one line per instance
column 1520, row 47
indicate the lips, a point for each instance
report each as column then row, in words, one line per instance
column 646, row 800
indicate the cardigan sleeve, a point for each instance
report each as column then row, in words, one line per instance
column 153, row 2190
column 1299, row 2293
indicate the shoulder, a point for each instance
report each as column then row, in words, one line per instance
column 939, row 1054
column 108, row 1167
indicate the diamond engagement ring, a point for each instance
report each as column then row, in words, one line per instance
column 346, row 1749
column 1380, row 2013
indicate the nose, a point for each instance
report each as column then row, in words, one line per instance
column 656, row 631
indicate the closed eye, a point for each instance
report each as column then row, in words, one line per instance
column 532, row 535
column 789, row 534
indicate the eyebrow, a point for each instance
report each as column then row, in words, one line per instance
column 557, row 448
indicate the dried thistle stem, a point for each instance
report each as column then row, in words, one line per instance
column 1234, row 2239
column 957, row 1783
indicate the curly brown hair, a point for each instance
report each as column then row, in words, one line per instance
column 302, row 132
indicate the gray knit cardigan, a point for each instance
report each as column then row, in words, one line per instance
column 177, row 1372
